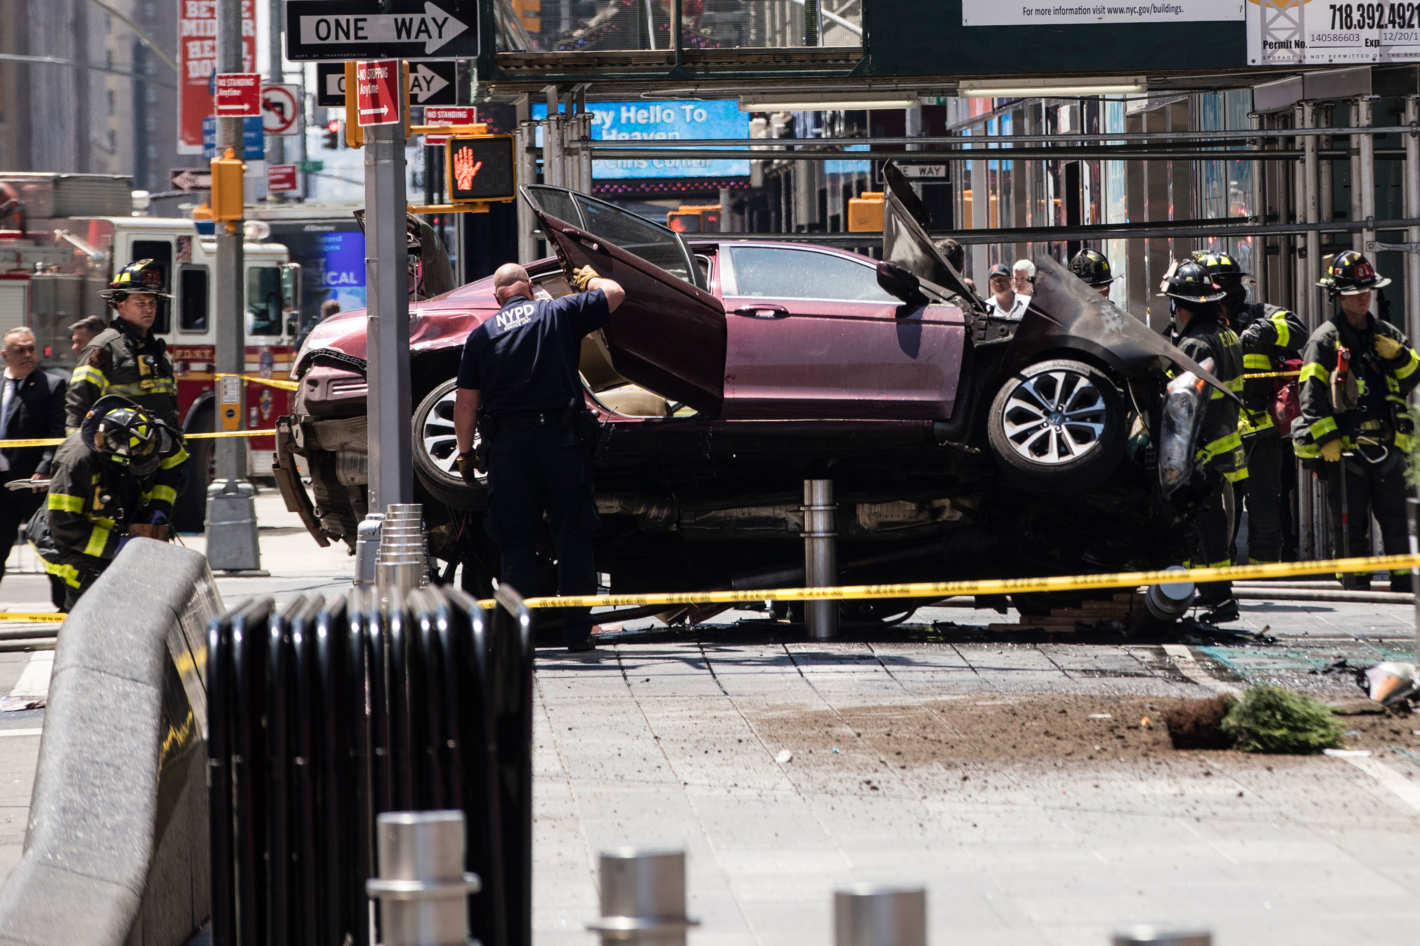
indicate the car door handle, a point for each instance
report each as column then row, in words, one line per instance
column 762, row 311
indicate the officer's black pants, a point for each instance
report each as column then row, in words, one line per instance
column 1372, row 489
column 1265, row 497
column 1208, row 538
column 535, row 468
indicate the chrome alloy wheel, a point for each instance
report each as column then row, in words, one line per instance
column 1055, row 417
column 437, row 440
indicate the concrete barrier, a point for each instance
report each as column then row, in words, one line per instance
column 117, row 845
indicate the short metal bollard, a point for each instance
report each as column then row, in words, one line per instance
column 1169, row 600
column 367, row 543
column 422, row 888
column 1159, row 936
column 820, row 557
column 868, row 915
column 643, row 897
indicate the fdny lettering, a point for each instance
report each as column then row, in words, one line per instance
column 517, row 316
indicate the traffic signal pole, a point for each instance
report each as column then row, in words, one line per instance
column 231, row 511
column 387, row 276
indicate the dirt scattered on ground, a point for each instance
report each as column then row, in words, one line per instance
column 1067, row 728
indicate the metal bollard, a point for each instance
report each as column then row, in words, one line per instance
column 1168, row 600
column 868, row 915
column 367, row 543
column 422, row 888
column 820, row 557
column 402, row 560
column 643, row 897
column 1157, row 936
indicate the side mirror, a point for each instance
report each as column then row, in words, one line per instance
column 291, row 286
column 900, row 283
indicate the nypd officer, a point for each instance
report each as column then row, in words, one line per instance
column 1356, row 374
column 518, row 386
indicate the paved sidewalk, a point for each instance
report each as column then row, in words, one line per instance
column 684, row 743
column 679, row 744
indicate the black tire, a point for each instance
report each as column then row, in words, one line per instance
column 1057, row 426
column 435, row 449
column 190, row 509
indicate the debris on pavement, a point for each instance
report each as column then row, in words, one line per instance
column 16, row 704
column 784, row 757
column 1391, row 683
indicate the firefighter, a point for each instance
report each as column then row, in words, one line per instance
column 115, row 477
column 1200, row 331
column 1093, row 268
column 1356, row 373
column 126, row 358
column 1270, row 335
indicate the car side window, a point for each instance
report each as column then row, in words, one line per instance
column 790, row 273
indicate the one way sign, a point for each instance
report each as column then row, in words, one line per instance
column 430, row 83
column 360, row 29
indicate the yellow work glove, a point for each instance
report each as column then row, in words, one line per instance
column 582, row 277
column 1388, row 348
column 1331, row 451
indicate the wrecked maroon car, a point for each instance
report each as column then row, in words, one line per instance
column 959, row 444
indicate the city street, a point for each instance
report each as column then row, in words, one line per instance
column 1029, row 786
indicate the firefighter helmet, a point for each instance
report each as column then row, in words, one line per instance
column 1190, row 282
column 1093, row 267
column 1351, row 274
column 126, row 434
column 1219, row 265
column 140, row 277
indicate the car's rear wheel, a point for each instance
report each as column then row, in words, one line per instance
column 1057, row 425
column 436, row 450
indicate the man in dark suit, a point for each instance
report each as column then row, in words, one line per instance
column 31, row 406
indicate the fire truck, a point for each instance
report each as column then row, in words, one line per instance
column 62, row 237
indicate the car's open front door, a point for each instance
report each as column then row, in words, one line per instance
column 669, row 334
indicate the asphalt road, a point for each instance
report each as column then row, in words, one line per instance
column 1024, row 781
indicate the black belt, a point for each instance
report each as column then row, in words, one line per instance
column 530, row 418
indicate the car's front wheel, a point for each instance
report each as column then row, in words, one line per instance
column 1058, row 425
column 436, row 449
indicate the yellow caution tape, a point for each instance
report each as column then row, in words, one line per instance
column 206, row 435
column 210, row 435
column 993, row 586
column 25, row 617
column 257, row 379
column 1252, row 375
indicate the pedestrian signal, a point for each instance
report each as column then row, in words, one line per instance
column 480, row 168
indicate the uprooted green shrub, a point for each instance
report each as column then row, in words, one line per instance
column 1274, row 719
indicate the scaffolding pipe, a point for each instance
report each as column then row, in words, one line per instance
column 1412, row 209
column 552, row 142
column 1307, row 210
column 1259, row 256
column 1184, row 230
column 1353, row 148
column 665, row 149
column 1198, row 138
column 1367, row 180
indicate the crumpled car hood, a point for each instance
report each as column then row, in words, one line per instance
column 434, row 323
